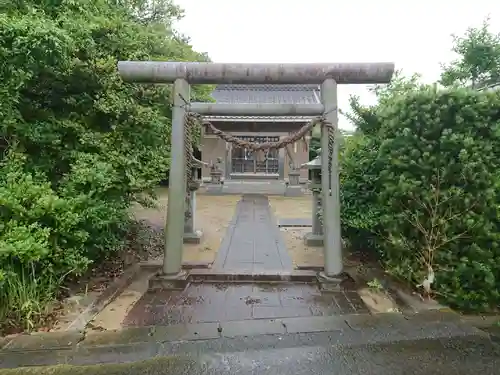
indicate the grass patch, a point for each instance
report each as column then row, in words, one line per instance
column 27, row 299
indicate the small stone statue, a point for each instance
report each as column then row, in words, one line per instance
column 215, row 167
column 215, row 171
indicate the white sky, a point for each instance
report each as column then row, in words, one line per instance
column 416, row 35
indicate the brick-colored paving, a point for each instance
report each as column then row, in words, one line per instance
column 206, row 302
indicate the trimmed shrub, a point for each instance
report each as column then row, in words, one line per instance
column 426, row 187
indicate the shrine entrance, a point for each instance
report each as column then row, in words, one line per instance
column 188, row 118
column 245, row 162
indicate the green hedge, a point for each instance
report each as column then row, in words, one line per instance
column 424, row 189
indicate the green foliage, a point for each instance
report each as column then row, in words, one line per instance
column 478, row 62
column 360, row 208
column 441, row 152
column 423, row 190
column 360, row 166
column 78, row 145
column 314, row 146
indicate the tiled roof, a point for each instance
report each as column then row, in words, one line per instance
column 273, row 94
column 281, row 94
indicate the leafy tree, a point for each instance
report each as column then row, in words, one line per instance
column 78, row 145
column 152, row 11
column 478, row 62
column 364, row 118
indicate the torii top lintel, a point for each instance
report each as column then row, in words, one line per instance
column 229, row 73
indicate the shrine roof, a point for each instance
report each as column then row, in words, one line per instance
column 265, row 93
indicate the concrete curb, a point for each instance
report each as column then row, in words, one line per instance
column 156, row 265
column 105, row 298
column 482, row 321
column 140, row 343
column 268, row 276
column 117, row 287
column 411, row 304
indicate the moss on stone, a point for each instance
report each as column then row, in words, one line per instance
column 158, row 365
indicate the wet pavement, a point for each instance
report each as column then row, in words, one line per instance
column 353, row 353
column 253, row 242
column 212, row 302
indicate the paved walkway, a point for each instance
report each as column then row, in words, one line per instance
column 253, row 242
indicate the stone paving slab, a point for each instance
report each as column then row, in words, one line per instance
column 253, row 242
column 217, row 302
column 252, row 328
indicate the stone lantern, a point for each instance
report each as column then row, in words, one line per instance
column 191, row 234
column 315, row 237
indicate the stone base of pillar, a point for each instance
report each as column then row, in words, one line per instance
column 331, row 283
column 193, row 238
column 168, row 282
column 216, row 177
column 313, row 240
column 293, row 191
column 294, row 178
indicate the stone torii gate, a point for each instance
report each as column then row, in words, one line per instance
column 182, row 74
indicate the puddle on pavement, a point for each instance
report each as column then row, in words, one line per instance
column 252, row 300
column 272, row 288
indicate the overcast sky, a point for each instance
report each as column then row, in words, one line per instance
column 416, row 35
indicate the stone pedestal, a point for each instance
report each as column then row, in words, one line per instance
column 216, row 177
column 315, row 237
column 293, row 188
column 329, row 283
column 191, row 235
column 294, row 178
column 317, row 227
column 216, row 183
